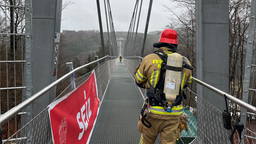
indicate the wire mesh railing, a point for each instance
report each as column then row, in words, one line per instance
column 12, row 50
column 41, row 128
column 132, row 63
column 206, row 121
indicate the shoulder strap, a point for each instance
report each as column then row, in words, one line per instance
column 164, row 57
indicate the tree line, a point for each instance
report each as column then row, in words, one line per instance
column 239, row 11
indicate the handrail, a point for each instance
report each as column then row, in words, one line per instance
column 9, row 114
column 132, row 57
column 230, row 97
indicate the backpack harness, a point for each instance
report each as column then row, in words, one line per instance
column 156, row 96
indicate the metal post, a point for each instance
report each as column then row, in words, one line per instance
column 248, row 62
column 28, row 67
column 100, row 24
column 69, row 67
column 96, row 58
column 212, row 61
column 146, row 29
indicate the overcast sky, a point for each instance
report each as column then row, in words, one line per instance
column 82, row 15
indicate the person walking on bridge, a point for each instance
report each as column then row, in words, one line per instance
column 165, row 74
column 120, row 58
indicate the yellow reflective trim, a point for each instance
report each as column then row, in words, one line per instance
column 157, row 73
column 160, row 110
column 142, row 75
column 183, row 79
column 169, row 52
column 157, row 61
column 174, row 108
column 166, row 113
column 141, row 139
column 154, row 77
column 138, row 77
column 159, row 66
column 189, row 80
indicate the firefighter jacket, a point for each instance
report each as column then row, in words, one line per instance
column 149, row 70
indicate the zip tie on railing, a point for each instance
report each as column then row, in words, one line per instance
column 230, row 97
column 9, row 114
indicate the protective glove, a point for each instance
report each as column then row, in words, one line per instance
column 183, row 125
column 183, row 122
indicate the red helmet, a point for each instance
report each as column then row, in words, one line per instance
column 169, row 36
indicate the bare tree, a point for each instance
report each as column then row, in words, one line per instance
column 66, row 4
column 14, row 16
column 184, row 23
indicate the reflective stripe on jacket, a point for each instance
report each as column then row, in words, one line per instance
column 176, row 110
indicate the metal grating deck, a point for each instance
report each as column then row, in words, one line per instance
column 119, row 112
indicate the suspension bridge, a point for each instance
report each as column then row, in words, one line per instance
column 117, row 100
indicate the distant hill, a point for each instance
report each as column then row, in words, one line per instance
column 77, row 43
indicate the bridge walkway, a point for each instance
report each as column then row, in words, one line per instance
column 119, row 112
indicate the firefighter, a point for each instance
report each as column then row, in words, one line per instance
column 120, row 58
column 159, row 113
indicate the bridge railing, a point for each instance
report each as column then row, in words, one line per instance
column 41, row 130
column 132, row 63
column 206, row 121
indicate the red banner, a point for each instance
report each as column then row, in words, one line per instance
column 73, row 116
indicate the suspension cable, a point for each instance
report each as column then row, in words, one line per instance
column 101, row 30
column 131, row 39
column 112, row 29
column 138, row 21
column 146, row 28
column 132, row 28
column 128, row 38
column 106, row 14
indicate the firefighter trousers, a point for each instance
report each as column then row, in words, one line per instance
column 166, row 125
